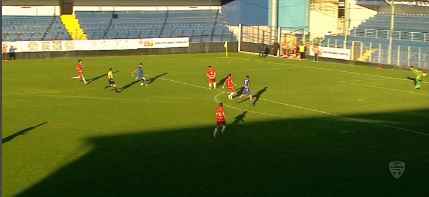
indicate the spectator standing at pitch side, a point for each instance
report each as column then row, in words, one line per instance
column 301, row 50
column 316, row 51
column 12, row 54
column 4, row 52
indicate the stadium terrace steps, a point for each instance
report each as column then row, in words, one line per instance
column 71, row 23
column 397, row 45
column 411, row 36
column 32, row 28
column 406, row 23
column 198, row 25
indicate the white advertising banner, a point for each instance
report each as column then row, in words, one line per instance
column 95, row 45
column 164, row 42
column 335, row 53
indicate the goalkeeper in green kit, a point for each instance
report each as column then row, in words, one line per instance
column 418, row 75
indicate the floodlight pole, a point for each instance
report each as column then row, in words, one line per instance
column 274, row 19
column 240, row 31
column 346, row 22
column 392, row 29
column 226, row 48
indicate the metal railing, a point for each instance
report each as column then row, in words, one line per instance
column 397, row 35
column 377, row 52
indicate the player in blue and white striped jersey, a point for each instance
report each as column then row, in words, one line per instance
column 246, row 90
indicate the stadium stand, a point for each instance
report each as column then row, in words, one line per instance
column 30, row 28
column 411, row 27
column 411, row 34
column 407, row 26
column 199, row 25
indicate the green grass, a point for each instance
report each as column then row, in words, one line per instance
column 308, row 135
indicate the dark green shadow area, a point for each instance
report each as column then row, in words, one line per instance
column 221, row 82
column 153, row 79
column 21, row 132
column 98, row 77
column 290, row 157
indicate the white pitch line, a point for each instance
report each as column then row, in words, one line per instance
column 326, row 69
column 309, row 109
column 72, row 96
column 355, row 80
column 250, row 111
column 223, row 92
column 184, row 83
column 299, row 107
column 348, row 118
column 390, row 89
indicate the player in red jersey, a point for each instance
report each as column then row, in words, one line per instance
column 220, row 119
column 79, row 68
column 211, row 74
column 230, row 84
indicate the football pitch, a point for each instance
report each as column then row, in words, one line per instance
column 317, row 129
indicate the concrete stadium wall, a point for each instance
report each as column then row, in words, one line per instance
column 212, row 47
column 55, row 10
column 406, row 9
column 294, row 14
column 321, row 23
column 52, row 7
column 246, row 12
column 114, row 2
column 359, row 14
column 147, row 2
column 30, row 3
column 142, row 8
column 30, row 10
column 256, row 48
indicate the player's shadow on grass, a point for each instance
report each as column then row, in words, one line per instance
column 277, row 157
column 239, row 92
column 97, row 77
column 127, row 86
column 221, row 82
column 239, row 119
column 413, row 79
column 21, row 132
column 258, row 94
column 151, row 80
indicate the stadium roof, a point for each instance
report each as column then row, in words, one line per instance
column 396, row 2
column 406, row 1
column 412, row 3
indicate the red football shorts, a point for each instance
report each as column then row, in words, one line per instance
column 231, row 89
column 212, row 80
column 220, row 122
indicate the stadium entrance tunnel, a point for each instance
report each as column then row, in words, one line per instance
column 325, row 156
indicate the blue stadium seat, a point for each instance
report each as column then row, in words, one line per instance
column 33, row 28
column 197, row 24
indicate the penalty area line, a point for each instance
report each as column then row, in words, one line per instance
column 349, row 118
column 307, row 109
column 325, row 69
column 223, row 92
column 250, row 111
column 376, row 87
column 72, row 96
